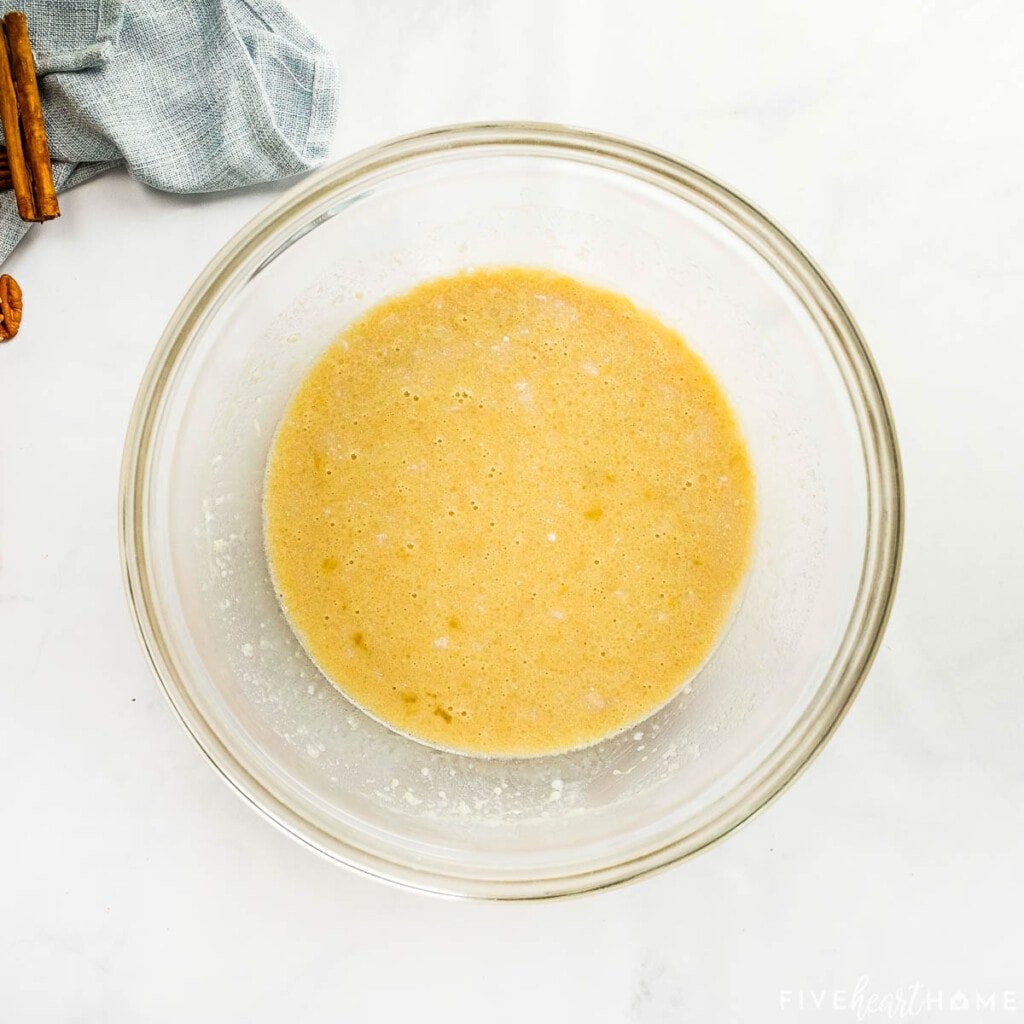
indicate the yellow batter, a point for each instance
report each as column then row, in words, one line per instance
column 508, row 513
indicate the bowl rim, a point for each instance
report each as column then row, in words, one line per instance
column 883, row 542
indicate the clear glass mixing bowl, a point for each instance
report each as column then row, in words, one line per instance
column 610, row 212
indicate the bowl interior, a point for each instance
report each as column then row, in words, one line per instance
column 241, row 344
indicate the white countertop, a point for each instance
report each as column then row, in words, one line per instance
column 135, row 886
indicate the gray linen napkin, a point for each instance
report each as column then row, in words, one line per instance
column 191, row 95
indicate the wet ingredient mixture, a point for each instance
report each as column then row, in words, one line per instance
column 508, row 513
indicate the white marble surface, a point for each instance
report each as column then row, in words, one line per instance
column 134, row 886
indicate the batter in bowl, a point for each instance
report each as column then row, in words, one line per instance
column 508, row 513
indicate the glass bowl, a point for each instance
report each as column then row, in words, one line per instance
column 612, row 213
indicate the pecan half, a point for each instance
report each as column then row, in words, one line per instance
column 10, row 307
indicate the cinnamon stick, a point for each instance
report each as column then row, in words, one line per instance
column 20, row 176
column 33, row 128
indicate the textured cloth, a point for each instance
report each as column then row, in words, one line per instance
column 191, row 95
